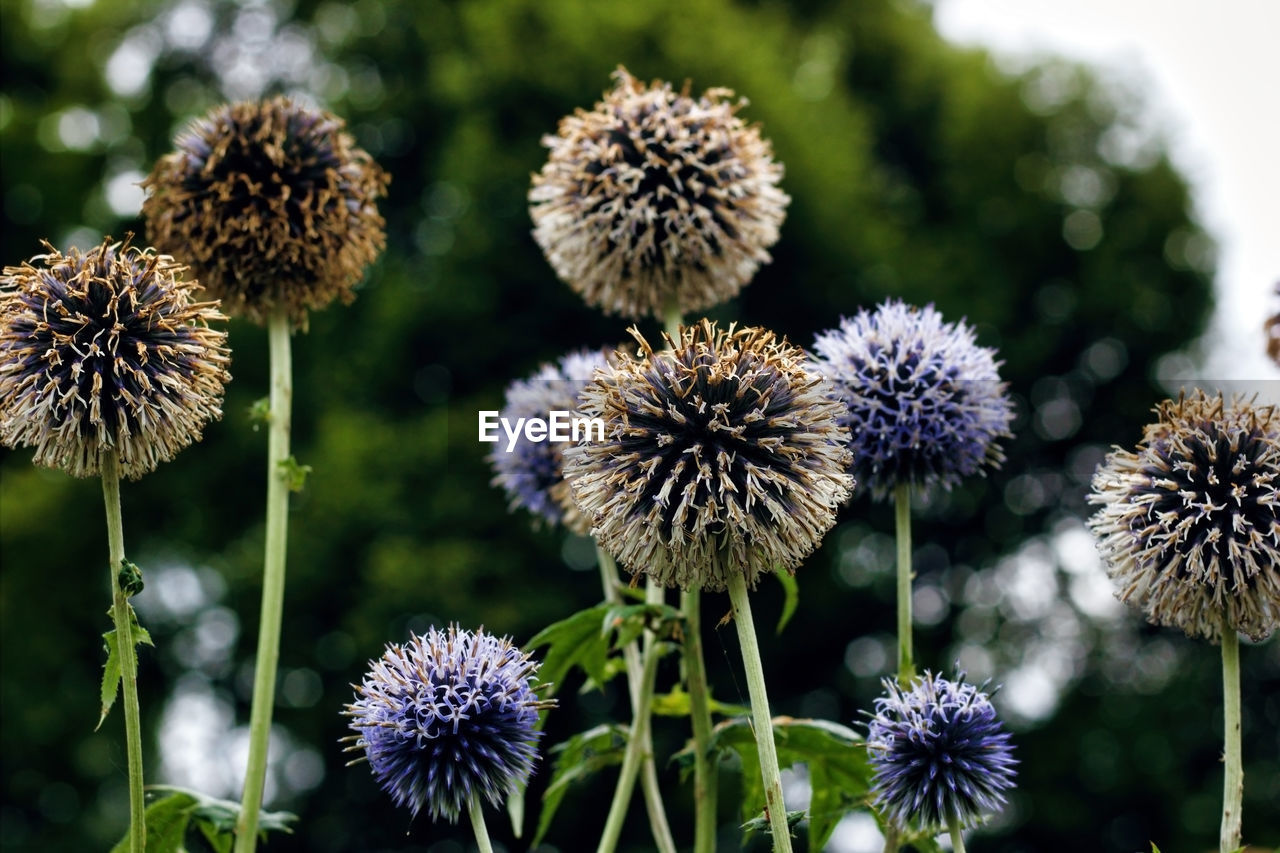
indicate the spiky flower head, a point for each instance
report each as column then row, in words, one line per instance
column 448, row 717
column 654, row 198
column 107, row 350
column 532, row 472
column 923, row 402
column 272, row 205
column 1273, row 334
column 722, row 453
column 939, row 752
column 1189, row 525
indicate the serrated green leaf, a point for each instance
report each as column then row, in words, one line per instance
column 111, row 673
column 760, row 823
column 573, row 641
column 217, row 818
column 166, row 819
column 628, row 621
column 110, row 677
column 839, row 772
column 676, row 704
column 791, row 590
column 576, row 759
column 295, row 474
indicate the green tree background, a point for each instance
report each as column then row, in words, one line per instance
column 1028, row 203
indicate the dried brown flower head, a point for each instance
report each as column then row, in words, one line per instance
column 107, row 350
column 1190, row 522
column 272, row 205
column 653, row 196
column 722, row 453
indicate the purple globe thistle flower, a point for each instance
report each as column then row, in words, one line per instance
column 107, row 350
column 940, row 754
column 1189, row 525
column 722, row 454
column 272, row 205
column 925, row 404
column 532, row 472
column 653, row 197
column 446, row 718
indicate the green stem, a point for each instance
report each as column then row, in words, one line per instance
column 122, row 615
column 264, row 680
column 705, row 780
column 475, row 809
column 636, row 742
column 1233, row 775
column 761, row 720
column 635, row 670
column 671, row 318
column 957, row 839
column 902, row 519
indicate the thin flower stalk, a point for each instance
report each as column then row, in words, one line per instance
column 476, row 811
column 122, row 616
column 761, row 720
column 272, row 613
column 902, row 525
column 1233, row 764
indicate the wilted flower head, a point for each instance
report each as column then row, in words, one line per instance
column 107, row 350
column 925, row 404
column 272, row 205
column 532, row 472
column 448, row 717
column 654, row 196
column 722, row 454
column 1190, row 522
column 939, row 753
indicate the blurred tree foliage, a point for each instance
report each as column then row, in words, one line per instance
column 1027, row 201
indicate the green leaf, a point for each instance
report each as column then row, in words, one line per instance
column 676, row 704
column 1154, row 848
column 628, row 621
column 295, row 475
column 217, row 818
column 260, row 412
column 574, row 641
column 835, row 755
column 792, row 591
column 111, row 669
column 576, row 759
column 110, row 677
column 515, row 811
column 760, row 823
column 166, row 820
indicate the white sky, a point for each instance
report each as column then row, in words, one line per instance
column 1210, row 70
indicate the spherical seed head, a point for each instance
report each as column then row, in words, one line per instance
column 924, row 403
column 1189, row 525
column 446, row 717
column 939, row 754
column 107, row 350
column 655, row 198
column 532, row 473
column 272, row 205
column 722, row 453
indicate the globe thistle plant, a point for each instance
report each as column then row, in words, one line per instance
column 272, row 204
column 942, row 759
column 532, row 473
column 654, row 197
column 722, row 455
column 109, row 350
column 447, row 719
column 1189, row 529
column 108, row 365
column 1189, row 522
column 925, row 403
